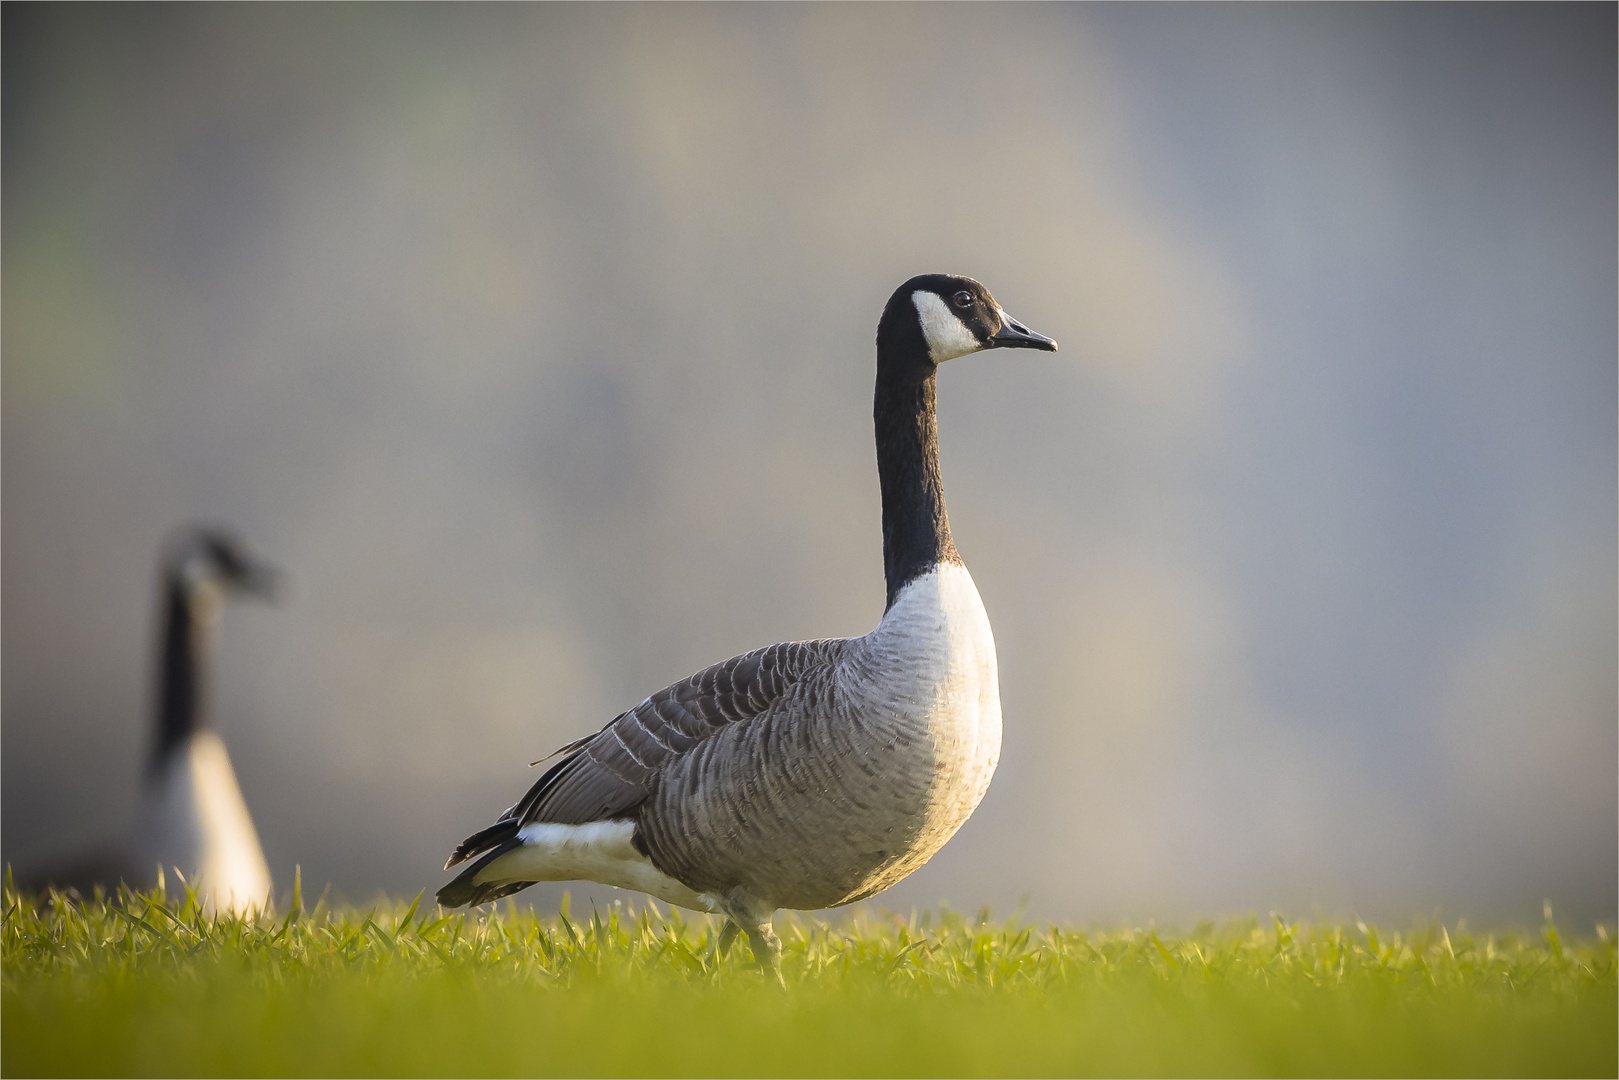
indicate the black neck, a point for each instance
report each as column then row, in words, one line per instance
column 183, row 666
column 916, row 532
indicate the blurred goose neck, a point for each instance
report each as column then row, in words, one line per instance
column 182, row 670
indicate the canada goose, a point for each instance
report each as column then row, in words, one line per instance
column 812, row 773
column 191, row 815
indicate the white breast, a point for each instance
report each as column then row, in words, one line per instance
column 934, row 660
column 193, row 818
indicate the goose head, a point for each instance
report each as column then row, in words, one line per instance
column 937, row 317
column 207, row 566
column 203, row 569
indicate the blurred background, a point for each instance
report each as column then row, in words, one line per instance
column 536, row 343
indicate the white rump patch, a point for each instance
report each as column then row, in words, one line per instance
column 599, row 851
column 947, row 336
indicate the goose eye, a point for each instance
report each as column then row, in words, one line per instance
column 963, row 299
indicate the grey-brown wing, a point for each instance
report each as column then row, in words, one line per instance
column 610, row 773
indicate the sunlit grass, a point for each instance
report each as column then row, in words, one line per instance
column 150, row 984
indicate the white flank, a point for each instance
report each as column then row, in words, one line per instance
column 193, row 818
column 947, row 336
column 596, row 851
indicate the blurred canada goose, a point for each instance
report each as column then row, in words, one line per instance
column 191, row 815
column 813, row 773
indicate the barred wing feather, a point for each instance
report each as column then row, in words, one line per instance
column 609, row 774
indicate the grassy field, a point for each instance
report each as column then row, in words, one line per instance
column 147, row 984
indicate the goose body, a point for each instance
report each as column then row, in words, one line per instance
column 808, row 774
column 191, row 816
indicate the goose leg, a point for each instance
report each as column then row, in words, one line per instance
column 752, row 916
column 766, row 949
column 728, row 934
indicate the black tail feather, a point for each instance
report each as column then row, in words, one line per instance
column 488, row 893
column 463, row 890
column 516, row 817
column 501, row 831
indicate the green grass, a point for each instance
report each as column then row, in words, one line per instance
column 148, row 984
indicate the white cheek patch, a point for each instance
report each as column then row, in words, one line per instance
column 947, row 336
